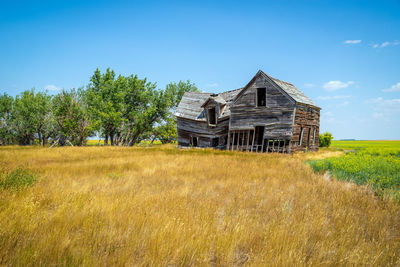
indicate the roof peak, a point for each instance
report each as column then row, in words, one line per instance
column 274, row 77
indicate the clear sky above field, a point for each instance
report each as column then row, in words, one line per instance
column 345, row 55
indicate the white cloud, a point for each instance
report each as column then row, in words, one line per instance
column 394, row 88
column 336, row 85
column 386, row 109
column 212, row 85
column 385, row 44
column 352, row 42
column 52, row 87
column 345, row 103
column 329, row 97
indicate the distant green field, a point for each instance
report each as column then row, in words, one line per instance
column 361, row 145
column 376, row 163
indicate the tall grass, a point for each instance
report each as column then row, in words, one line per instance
column 162, row 206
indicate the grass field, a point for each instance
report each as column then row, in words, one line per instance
column 376, row 163
column 163, row 206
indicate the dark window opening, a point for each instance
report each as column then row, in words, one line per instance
column 261, row 97
column 215, row 142
column 308, row 137
column 259, row 135
column 212, row 119
column 194, row 142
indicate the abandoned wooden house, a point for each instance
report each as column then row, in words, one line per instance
column 267, row 115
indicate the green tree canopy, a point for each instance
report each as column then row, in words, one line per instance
column 71, row 117
column 30, row 117
column 122, row 109
column 6, row 132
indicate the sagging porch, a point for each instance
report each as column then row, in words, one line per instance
column 252, row 140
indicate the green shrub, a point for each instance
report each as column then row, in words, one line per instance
column 325, row 139
column 16, row 179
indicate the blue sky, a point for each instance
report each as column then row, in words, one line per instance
column 345, row 55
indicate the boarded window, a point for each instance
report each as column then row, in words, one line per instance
column 212, row 118
column 261, row 97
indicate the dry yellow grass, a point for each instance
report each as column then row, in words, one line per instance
column 163, row 206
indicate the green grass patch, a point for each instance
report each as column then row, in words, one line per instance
column 376, row 163
column 16, row 179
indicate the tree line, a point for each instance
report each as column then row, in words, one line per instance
column 123, row 110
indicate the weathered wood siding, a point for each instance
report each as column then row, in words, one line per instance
column 307, row 118
column 277, row 116
column 190, row 128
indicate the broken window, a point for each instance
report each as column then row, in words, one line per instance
column 278, row 146
column 212, row 116
column 261, row 97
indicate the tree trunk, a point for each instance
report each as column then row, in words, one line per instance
column 112, row 139
column 152, row 140
column 40, row 137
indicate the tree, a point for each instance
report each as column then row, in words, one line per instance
column 71, row 117
column 125, row 109
column 165, row 130
column 31, row 116
column 325, row 139
column 105, row 99
column 6, row 132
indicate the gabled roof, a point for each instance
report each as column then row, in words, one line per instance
column 214, row 98
column 192, row 104
column 287, row 88
column 295, row 93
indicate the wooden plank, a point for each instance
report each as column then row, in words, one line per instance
column 242, row 141
column 252, row 143
column 229, row 140
column 262, row 144
column 233, row 142
column 248, row 137
column 238, row 138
